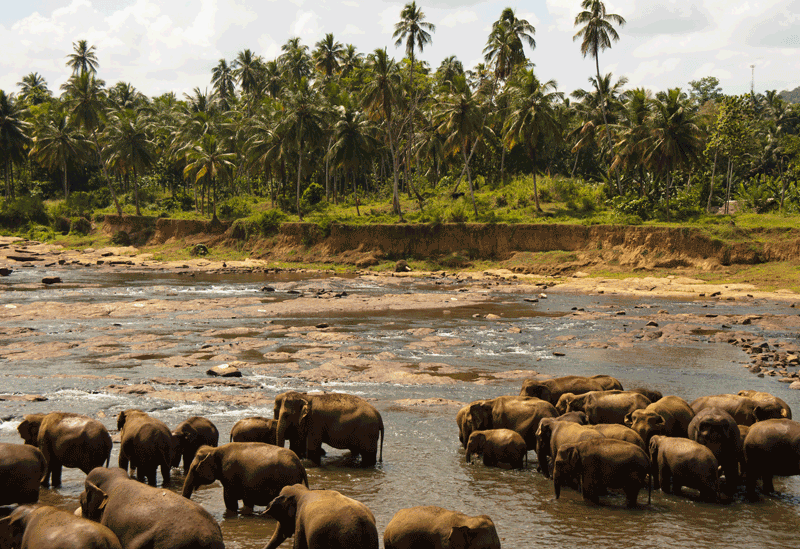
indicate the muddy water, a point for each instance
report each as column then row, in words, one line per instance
column 211, row 319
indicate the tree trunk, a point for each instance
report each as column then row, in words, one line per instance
column 783, row 183
column 669, row 183
column 469, row 177
column 395, row 175
column 105, row 173
column 136, row 190
column 299, row 171
column 713, row 172
column 532, row 154
column 728, row 187
column 355, row 193
column 327, row 171
column 66, row 187
column 605, row 121
column 502, row 162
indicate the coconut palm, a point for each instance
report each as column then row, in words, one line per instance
column 676, row 141
column 34, row 89
column 84, row 60
column 295, row 60
column 222, row 78
column 353, row 141
column 328, row 55
column 351, row 59
column 532, row 118
column 130, row 149
column 381, row 98
column 305, row 121
column 207, row 160
column 596, row 35
column 449, row 68
column 58, row 143
column 13, row 137
column 634, row 130
column 248, row 69
column 505, row 46
column 124, row 96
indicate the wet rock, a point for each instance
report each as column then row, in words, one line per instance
column 224, row 370
column 491, row 316
column 267, row 289
column 531, row 300
column 23, row 398
column 5, row 271
column 138, row 389
column 795, row 385
column 558, row 353
column 652, row 324
column 51, row 280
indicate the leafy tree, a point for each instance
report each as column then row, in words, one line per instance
column 295, row 60
column 34, row 89
column 248, row 69
column 129, row 147
column 705, row 89
column 328, row 55
column 223, row 80
column 596, row 35
column 14, row 137
column 206, row 159
column 353, row 143
column 57, row 143
column 505, row 46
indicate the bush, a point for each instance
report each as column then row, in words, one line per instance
column 181, row 202
column 80, row 225
column 313, row 194
column 121, row 238
column 21, row 212
column 236, row 207
column 269, row 222
column 632, row 205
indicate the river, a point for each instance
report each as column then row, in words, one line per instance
column 76, row 343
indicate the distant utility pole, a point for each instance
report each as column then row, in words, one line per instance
column 752, row 79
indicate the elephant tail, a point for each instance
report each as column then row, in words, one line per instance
column 381, row 454
column 649, row 488
column 305, row 477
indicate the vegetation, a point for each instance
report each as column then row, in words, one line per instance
column 333, row 134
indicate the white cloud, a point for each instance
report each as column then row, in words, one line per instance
column 351, row 30
column 460, row 17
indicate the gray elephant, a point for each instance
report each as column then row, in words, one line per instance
column 255, row 429
column 189, row 436
column 499, row 447
column 321, row 519
column 253, row 472
column 520, row 414
column 768, row 399
column 620, row 432
column 146, row 443
column 336, row 419
column 678, row 462
column 463, row 429
column 744, row 410
column 552, row 434
column 430, row 527
column 551, row 389
column 574, row 417
column 22, row 469
column 652, row 394
column 45, row 527
column 145, row 517
column 600, row 464
column 297, row 443
column 607, row 406
column 67, row 440
column 772, row 447
column 669, row 416
column 717, row 430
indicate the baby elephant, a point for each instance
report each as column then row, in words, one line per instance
column 22, row 469
column 500, row 448
column 434, row 528
column 681, row 462
column 254, row 472
column 45, row 527
column 321, row 519
column 255, row 429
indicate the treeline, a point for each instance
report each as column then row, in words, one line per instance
column 332, row 124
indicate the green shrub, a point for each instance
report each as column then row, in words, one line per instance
column 269, row 222
column 313, row 194
column 80, row 225
column 121, row 238
column 181, row 202
column 236, row 207
column 21, row 212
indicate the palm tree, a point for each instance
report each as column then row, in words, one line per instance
column 328, row 55
column 124, row 96
column 248, row 69
column 353, row 141
column 13, row 136
column 222, row 78
column 58, row 142
column 381, row 97
column 85, row 99
column 596, row 36
column 505, row 46
column 676, row 141
column 84, row 60
column 207, row 159
column 532, row 119
column 449, row 68
column 634, row 130
column 460, row 117
column 305, row 120
column 416, row 32
column 295, row 60
column 130, row 148
column 34, row 89
column 351, row 59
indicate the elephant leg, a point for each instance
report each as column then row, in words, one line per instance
column 230, row 499
column 166, row 471
column 123, row 461
column 55, row 470
column 766, row 481
column 631, row 495
column 187, row 462
column 369, row 459
column 665, row 480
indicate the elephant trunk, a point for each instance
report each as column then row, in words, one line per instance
column 280, row 432
column 188, row 485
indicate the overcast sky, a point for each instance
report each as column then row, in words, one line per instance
column 172, row 45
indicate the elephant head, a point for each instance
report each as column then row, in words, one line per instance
column 567, row 467
column 765, row 410
column 478, row 532
column 475, row 444
column 283, row 509
column 12, row 527
column 125, row 415
column 186, row 437
column 562, row 406
column 646, row 424
column 289, row 409
column 204, row 470
column 93, row 502
column 480, row 416
column 29, row 428
column 536, row 389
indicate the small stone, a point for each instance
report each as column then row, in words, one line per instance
column 5, row 271
column 531, row 300
column 51, row 280
column 652, row 324
column 558, row 353
column 322, row 325
column 491, row 316
column 224, row 370
column 795, row 385
column 267, row 289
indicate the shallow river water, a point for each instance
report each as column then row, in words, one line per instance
column 423, row 463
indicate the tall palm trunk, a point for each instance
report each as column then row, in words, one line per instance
column 136, row 190
column 105, row 173
column 532, row 154
column 299, row 172
column 64, row 170
column 713, row 173
column 728, row 186
column 469, row 175
column 605, row 120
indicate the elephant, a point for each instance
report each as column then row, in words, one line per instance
column 337, row 419
column 67, row 440
column 22, row 470
column 147, row 444
column 768, row 399
column 45, row 527
column 772, row 447
column 620, row 432
column 551, row 389
column 520, row 414
column 500, row 448
column 145, row 517
column 717, row 430
column 430, row 527
column 255, row 429
column 575, row 417
column 651, row 394
column 552, row 434
column 608, row 406
column 297, row 444
column 679, row 461
column 463, row 429
column 600, row 464
column 744, row 410
column 189, row 436
column 321, row 519
column 253, row 472
column 669, row 416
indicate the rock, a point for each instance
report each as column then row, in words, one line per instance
column 401, row 266
column 652, row 324
column 267, row 289
column 51, row 280
column 138, row 389
column 199, row 249
column 491, row 316
column 5, row 271
column 322, row 325
column 224, row 370
column 558, row 353
column 531, row 300
column 795, row 385
column 23, row 398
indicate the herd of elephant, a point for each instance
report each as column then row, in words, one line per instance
column 590, row 434
column 587, row 432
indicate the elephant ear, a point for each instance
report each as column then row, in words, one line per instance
column 121, row 419
column 459, row 537
column 29, row 428
column 284, row 510
column 628, row 421
column 11, row 530
column 94, row 502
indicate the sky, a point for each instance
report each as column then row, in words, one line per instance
column 172, row 45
